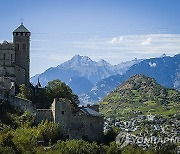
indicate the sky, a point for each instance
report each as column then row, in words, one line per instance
column 113, row 30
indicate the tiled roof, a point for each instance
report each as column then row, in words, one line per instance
column 91, row 112
column 21, row 28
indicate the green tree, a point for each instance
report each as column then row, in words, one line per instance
column 24, row 92
column 111, row 135
column 132, row 149
column 26, row 119
column 113, row 148
column 75, row 147
column 48, row 131
column 42, row 100
column 58, row 89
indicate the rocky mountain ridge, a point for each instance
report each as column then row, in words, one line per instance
column 82, row 66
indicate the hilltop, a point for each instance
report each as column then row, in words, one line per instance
column 140, row 95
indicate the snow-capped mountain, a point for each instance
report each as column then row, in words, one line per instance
column 82, row 66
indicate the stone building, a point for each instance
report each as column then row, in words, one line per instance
column 15, row 60
column 76, row 123
column 80, row 123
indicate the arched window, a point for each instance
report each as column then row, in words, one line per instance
column 24, row 47
column 17, row 46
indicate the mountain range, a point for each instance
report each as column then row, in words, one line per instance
column 165, row 70
column 81, row 67
column 92, row 81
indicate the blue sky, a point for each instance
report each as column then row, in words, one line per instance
column 114, row 30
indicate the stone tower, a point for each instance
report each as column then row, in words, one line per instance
column 21, row 40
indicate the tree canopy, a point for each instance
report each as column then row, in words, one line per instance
column 58, row 89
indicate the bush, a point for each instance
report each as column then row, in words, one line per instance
column 48, row 131
column 6, row 150
column 76, row 147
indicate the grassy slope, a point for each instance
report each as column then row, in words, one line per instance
column 140, row 95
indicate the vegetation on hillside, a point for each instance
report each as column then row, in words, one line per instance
column 28, row 139
column 20, row 134
column 140, row 95
column 58, row 89
column 44, row 97
column 11, row 117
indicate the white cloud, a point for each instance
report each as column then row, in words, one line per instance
column 113, row 50
column 148, row 41
column 116, row 40
column 133, row 45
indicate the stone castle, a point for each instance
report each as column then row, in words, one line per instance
column 79, row 123
column 15, row 59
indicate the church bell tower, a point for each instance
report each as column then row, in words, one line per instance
column 21, row 40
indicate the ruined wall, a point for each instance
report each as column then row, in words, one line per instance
column 74, row 125
column 44, row 114
column 88, row 127
column 23, row 104
column 62, row 113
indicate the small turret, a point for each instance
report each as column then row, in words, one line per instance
column 38, row 85
column 37, row 88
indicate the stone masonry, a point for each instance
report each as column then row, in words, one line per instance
column 83, row 123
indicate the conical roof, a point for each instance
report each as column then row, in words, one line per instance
column 38, row 84
column 21, row 28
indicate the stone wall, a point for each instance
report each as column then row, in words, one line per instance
column 62, row 113
column 44, row 114
column 20, row 75
column 7, row 60
column 77, row 125
column 74, row 125
column 23, row 104
column 89, row 127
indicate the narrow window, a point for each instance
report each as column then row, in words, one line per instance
column 62, row 112
column 17, row 46
column 11, row 59
column 4, row 56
